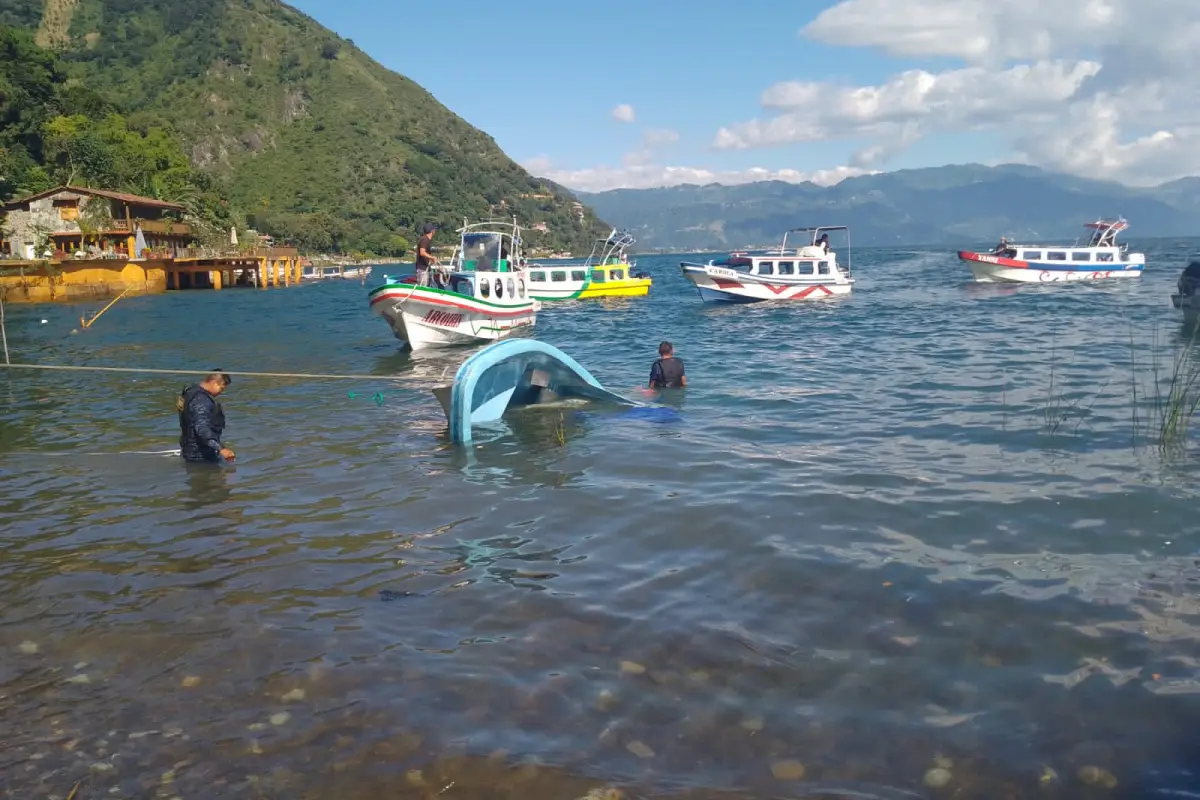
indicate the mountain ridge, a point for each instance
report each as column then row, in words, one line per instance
column 957, row 203
column 309, row 136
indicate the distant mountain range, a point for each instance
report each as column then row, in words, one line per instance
column 961, row 204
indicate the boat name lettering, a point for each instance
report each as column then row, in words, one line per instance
column 722, row 272
column 437, row 317
column 988, row 259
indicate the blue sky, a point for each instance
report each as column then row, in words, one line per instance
column 544, row 77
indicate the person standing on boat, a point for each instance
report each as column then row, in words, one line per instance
column 202, row 420
column 425, row 258
column 667, row 371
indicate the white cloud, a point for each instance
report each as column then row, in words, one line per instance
column 1107, row 88
column 639, row 172
column 623, row 113
column 913, row 103
column 660, row 136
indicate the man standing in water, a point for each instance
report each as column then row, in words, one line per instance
column 425, row 258
column 667, row 371
column 201, row 420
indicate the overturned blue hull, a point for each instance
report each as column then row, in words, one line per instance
column 511, row 374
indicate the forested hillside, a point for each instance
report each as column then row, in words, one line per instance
column 304, row 134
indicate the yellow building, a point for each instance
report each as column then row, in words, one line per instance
column 77, row 242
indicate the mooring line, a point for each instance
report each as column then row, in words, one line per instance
column 298, row 375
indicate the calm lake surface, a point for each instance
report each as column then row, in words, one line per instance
column 922, row 541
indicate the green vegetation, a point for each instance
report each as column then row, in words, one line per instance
column 308, row 137
column 54, row 131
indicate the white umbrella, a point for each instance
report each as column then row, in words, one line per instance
column 233, row 236
column 139, row 243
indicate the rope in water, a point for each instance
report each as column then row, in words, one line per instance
column 297, row 375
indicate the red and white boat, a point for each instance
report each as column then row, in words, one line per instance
column 1100, row 258
column 811, row 272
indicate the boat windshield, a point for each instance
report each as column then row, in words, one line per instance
column 483, row 251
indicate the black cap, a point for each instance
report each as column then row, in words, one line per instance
column 429, row 228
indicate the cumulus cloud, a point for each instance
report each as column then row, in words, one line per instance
column 656, row 137
column 623, row 113
column 638, row 171
column 915, row 101
column 1108, row 88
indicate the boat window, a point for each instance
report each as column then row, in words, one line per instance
column 597, row 276
column 823, row 267
column 1104, row 256
column 1056, row 255
column 616, row 275
column 558, row 276
column 579, row 275
column 537, row 277
column 511, row 288
column 463, row 286
column 1081, row 256
column 1032, row 255
column 499, row 288
column 485, row 288
column 806, row 268
column 787, row 268
column 765, row 268
column 521, row 286
column 481, row 250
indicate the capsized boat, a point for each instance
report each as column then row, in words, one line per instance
column 808, row 273
column 480, row 296
column 1187, row 298
column 514, row 373
column 607, row 272
column 1100, row 258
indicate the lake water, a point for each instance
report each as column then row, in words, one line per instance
column 926, row 534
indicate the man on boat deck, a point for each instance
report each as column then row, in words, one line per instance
column 201, row 420
column 667, row 371
column 824, row 242
column 425, row 259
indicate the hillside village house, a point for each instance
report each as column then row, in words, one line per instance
column 78, row 222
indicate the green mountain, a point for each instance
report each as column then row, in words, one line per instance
column 961, row 204
column 307, row 136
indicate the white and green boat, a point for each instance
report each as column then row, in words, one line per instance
column 480, row 296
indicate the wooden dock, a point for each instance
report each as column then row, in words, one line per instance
column 64, row 279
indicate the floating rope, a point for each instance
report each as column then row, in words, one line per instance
column 297, row 375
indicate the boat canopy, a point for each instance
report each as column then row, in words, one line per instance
column 610, row 250
column 488, row 246
column 1104, row 232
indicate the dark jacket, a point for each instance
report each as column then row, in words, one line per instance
column 201, row 422
column 666, row 373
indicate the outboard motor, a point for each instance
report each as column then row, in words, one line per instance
column 1189, row 281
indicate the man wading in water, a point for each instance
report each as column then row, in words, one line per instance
column 201, row 420
column 667, row 371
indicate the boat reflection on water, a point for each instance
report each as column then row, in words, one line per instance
column 529, row 447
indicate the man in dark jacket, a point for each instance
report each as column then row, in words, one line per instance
column 201, row 420
column 667, row 371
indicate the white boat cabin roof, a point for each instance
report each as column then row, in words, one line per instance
column 815, row 251
column 488, row 246
column 1102, row 246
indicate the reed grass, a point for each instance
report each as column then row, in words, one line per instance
column 1161, row 409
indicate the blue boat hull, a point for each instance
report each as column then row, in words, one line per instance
column 511, row 374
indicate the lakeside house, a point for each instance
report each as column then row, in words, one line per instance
column 78, row 242
column 80, row 222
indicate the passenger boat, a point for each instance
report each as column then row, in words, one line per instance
column 607, row 272
column 810, row 272
column 1100, row 258
column 479, row 296
column 1187, row 298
